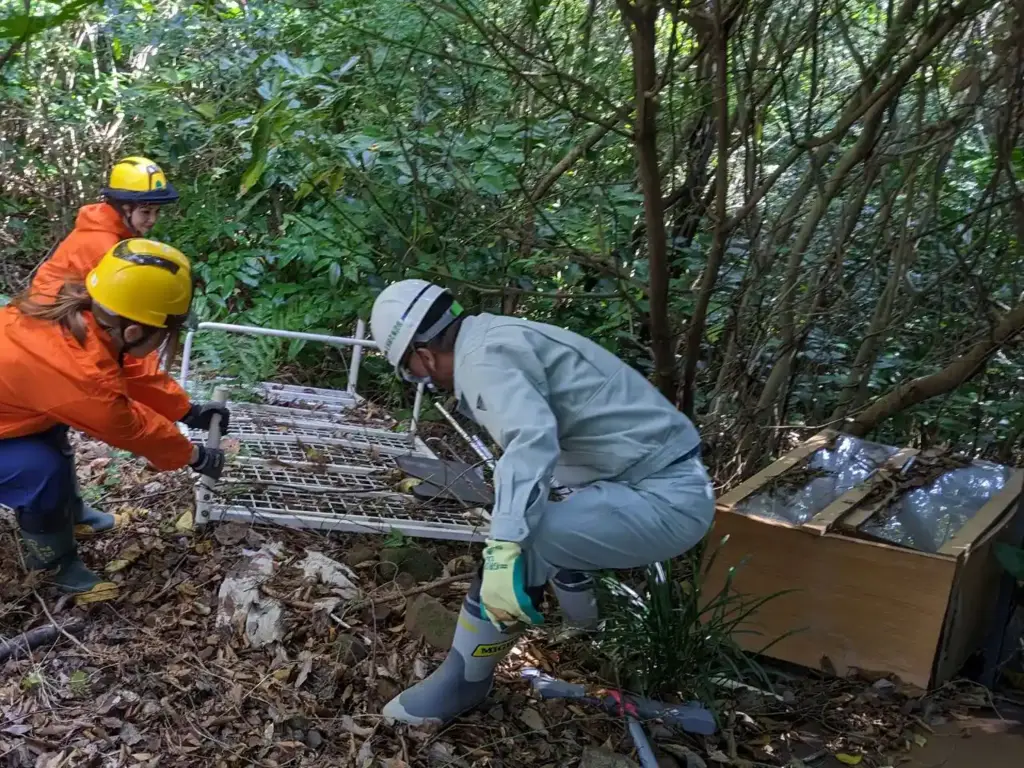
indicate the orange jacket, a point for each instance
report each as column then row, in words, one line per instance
column 47, row 378
column 98, row 228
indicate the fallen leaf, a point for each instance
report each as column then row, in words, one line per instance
column 532, row 719
column 846, row 759
column 185, row 523
column 408, row 484
column 920, row 740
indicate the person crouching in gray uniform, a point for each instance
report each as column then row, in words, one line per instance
column 564, row 410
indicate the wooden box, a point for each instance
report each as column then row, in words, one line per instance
column 878, row 584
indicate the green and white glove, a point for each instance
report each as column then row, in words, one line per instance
column 503, row 595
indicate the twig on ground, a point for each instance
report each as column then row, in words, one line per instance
column 366, row 602
column 33, row 638
column 59, row 628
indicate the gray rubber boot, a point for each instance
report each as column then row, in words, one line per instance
column 576, row 592
column 464, row 678
column 55, row 550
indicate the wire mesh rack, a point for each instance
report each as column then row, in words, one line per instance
column 313, row 458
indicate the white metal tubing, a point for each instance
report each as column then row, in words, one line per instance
column 186, row 358
column 348, row 523
column 416, row 407
column 252, row 330
column 357, row 357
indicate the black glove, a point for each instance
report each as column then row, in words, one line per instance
column 210, row 462
column 200, row 414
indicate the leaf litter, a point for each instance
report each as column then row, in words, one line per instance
column 162, row 680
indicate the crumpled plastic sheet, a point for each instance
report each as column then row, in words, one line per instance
column 849, row 462
column 927, row 517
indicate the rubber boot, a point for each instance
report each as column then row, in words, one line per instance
column 576, row 592
column 89, row 521
column 464, row 678
column 56, row 551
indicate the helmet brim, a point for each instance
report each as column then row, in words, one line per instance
column 153, row 197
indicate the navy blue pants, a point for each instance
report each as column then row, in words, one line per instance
column 37, row 479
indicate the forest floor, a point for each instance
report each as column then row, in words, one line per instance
column 151, row 679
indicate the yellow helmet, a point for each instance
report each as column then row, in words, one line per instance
column 139, row 180
column 143, row 281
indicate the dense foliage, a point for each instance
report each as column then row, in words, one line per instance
column 812, row 213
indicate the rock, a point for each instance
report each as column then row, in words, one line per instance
column 314, row 740
column 358, row 555
column 405, row 581
column 599, row 757
column 418, row 563
column 349, row 649
column 531, row 719
column 427, row 618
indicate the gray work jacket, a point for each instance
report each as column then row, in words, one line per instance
column 562, row 408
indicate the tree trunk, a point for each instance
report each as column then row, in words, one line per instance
column 640, row 20
column 695, row 331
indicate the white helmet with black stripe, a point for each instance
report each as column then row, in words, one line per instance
column 397, row 315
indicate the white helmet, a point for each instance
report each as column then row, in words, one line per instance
column 399, row 311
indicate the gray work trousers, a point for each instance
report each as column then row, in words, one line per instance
column 608, row 525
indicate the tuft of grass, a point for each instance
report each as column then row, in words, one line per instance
column 670, row 639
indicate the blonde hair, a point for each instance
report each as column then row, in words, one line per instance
column 66, row 309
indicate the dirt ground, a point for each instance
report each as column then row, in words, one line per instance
column 987, row 742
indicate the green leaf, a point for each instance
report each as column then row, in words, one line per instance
column 334, row 274
column 260, row 144
column 207, row 110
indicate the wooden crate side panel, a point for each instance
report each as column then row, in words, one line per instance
column 860, row 604
column 973, row 602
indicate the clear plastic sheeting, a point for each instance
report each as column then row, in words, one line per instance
column 843, row 465
column 927, row 517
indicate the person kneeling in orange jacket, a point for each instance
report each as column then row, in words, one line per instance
column 61, row 367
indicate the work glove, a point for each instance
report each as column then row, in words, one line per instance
column 200, row 415
column 210, row 462
column 503, row 595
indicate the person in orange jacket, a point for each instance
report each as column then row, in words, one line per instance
column 135, row 192
column 132, row 199
column 61, row 367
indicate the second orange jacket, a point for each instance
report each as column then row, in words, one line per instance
column 98, row 228
column 47, row 378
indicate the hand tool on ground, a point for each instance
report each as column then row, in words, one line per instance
column 692, row 717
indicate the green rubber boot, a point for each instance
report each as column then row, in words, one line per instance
column 57, row 552
column 464, row 678
column 89, row 521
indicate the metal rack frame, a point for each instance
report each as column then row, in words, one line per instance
column 309, row 459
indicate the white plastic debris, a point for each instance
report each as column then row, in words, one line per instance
column 318, row 567
column 243, row 607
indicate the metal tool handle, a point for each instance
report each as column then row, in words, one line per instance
column 220, row 395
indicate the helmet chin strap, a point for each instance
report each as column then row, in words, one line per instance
column 116, row 331
column 126, row 210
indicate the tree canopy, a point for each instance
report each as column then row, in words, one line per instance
column 786, row 213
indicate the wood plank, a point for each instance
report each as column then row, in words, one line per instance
column 773, row 470
column 861, row 604
column 828, row 517
column 985, row 517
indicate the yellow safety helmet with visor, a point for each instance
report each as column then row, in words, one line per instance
column 144, row 281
